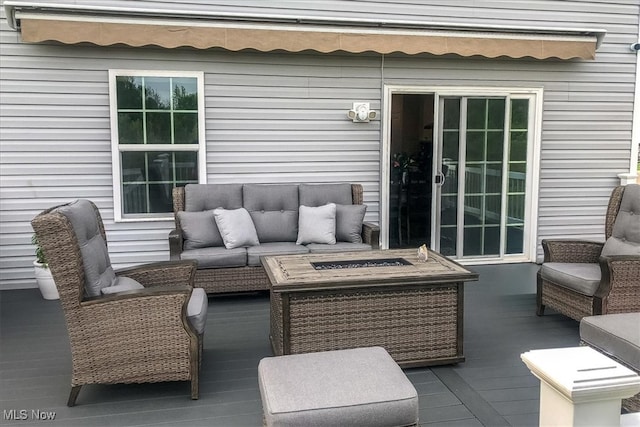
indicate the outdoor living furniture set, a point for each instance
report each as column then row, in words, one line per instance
column 226, row 228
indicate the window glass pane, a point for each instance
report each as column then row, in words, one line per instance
column 519, row 114
column 515, row 238
column 134, row 168
column 159, row 128
column 476, row 113
column 515, row 209
column 494, row 178
column 130, row 129
column 129, row 92
column 517, row 177
column 448, row 240
column 495, row 118
column 134, row 198
column 186, row 166
column 451, row 114
column 475, row 145
column 449, row 210
column 473, row 208
column 518, row 149
column 450, row 141
column 474, row 178
column 158, row 93
column 185, row 128
column 472, row 243
column 492, row 207
column 491, row 241
column 495, row 142
column 185, row 94
column 160, row 198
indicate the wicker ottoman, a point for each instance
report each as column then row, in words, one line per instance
column 355, row 387
column 617, row 336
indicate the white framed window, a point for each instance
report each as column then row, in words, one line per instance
column 157, row 139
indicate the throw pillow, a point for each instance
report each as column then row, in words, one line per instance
column 122, row 284
column 317, row 225
column 349, row 223
column 199, row 229
column 236, row 228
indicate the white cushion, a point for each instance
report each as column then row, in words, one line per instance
column 236, row 228
column 317, row 225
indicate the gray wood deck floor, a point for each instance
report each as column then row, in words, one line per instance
column 491, row 388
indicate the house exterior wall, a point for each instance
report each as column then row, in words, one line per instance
column 279, row 117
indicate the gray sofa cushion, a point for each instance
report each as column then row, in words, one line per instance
column 204, row 197
column 349, row 223
column 93, row 248
column 317, row 224
column 197, row 309
column 583, row 278
column 338, row 247
column 199, row 229
column 321, row 194
column 217, row 257
column 274, row 248
column 614, row 334
column 236, row 228
column 274, row 210
column 355, row 387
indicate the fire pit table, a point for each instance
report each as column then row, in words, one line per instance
column 389, row 298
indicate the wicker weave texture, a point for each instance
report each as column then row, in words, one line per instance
column 136, row 337
column 565, row 301
column 413, row 325
column 237, row 279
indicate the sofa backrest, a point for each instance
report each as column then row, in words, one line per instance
column 314, row 195
column 274, row 211
column 203, row 197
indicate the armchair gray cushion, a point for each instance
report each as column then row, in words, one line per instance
column 93, row 248
column 615, row 334
column 625, row 237
column 197, row 309
column 583, row 278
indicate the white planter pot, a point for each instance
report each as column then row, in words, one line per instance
column 45, row 282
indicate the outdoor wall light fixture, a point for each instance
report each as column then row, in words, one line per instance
column 360, row 113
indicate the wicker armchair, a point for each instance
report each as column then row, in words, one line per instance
column 150, row 331
column 581, row 278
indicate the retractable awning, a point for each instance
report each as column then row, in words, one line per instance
column 107, row 27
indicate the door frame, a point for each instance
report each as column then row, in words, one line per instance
column 533, row 158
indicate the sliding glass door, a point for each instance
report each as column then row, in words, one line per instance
column 483, row 146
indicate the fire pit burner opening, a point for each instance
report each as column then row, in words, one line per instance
column 362, row 263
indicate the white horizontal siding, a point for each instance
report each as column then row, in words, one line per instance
column 282, row 117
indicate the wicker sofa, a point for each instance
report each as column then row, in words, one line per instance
column 274, row 210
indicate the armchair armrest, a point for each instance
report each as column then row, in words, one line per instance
column 371, row 234
column 565, row 250
column 620, row 285
column 162, row 273
column 175, row 244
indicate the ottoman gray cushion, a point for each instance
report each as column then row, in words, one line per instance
column 615, row 334
column 355, row 387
